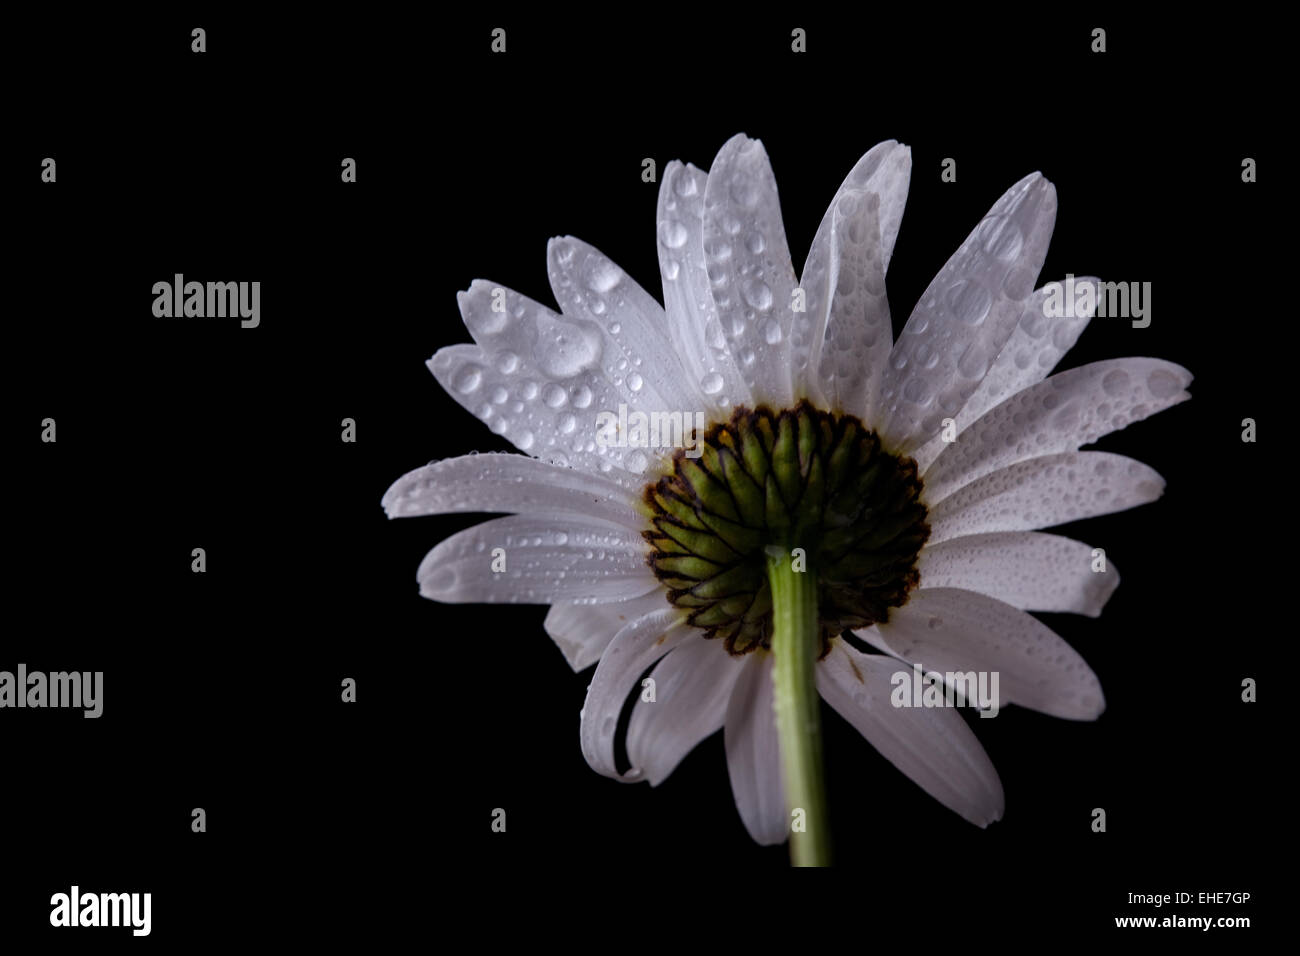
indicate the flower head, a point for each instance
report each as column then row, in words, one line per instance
column 910, row 475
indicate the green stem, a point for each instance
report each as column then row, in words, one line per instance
column 796, row 642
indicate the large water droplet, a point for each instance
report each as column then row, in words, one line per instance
column 565, row 349
column 468, row 379
column 711, row 383
column 1001, row 237
column 758, row 294
column 1115, row 382
column 969, row 301
column 974, row 362
column 1162, row 383
column 673, row 234
column 603, row 275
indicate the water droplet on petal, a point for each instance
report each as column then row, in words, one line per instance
column 673, row 234
column 1115, row 381
column 565, row 349
column 758, row 294
column 969, row 301
column 467, row 379
column 603, row 275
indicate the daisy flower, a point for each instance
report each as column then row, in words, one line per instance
column 844, row 481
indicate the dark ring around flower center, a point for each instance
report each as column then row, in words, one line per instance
column 800, row 478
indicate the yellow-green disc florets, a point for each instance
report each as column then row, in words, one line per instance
column 769, row 482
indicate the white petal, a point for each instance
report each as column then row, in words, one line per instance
column 692, row 687
column 590, row 288
column 966, row 315
column 1026, row 569
column 583, row 631
column 511, row 483
column 885, row 170
column 948, row 630
column 858, row 337
column 1043, row 492
column 548, row 558
column 693, row 327
column 933, row 746
column 753, row 752
column 541, row 380
column 1035, row 346
column 634, row 648
column 749, row 267
column 1072, row 408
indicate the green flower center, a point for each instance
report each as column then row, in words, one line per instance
column 813, row 486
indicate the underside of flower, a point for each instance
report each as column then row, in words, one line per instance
column 768, row 481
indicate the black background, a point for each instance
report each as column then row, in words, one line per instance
column 372, row 819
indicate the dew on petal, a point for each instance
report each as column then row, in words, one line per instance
column 565, row 349
column 1115, row 381
column 1001, row 237
column 468, row 379
column 1162, row 383
column 603, row 275
column 758, row 294
column 673, row 234
column 969, row 301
